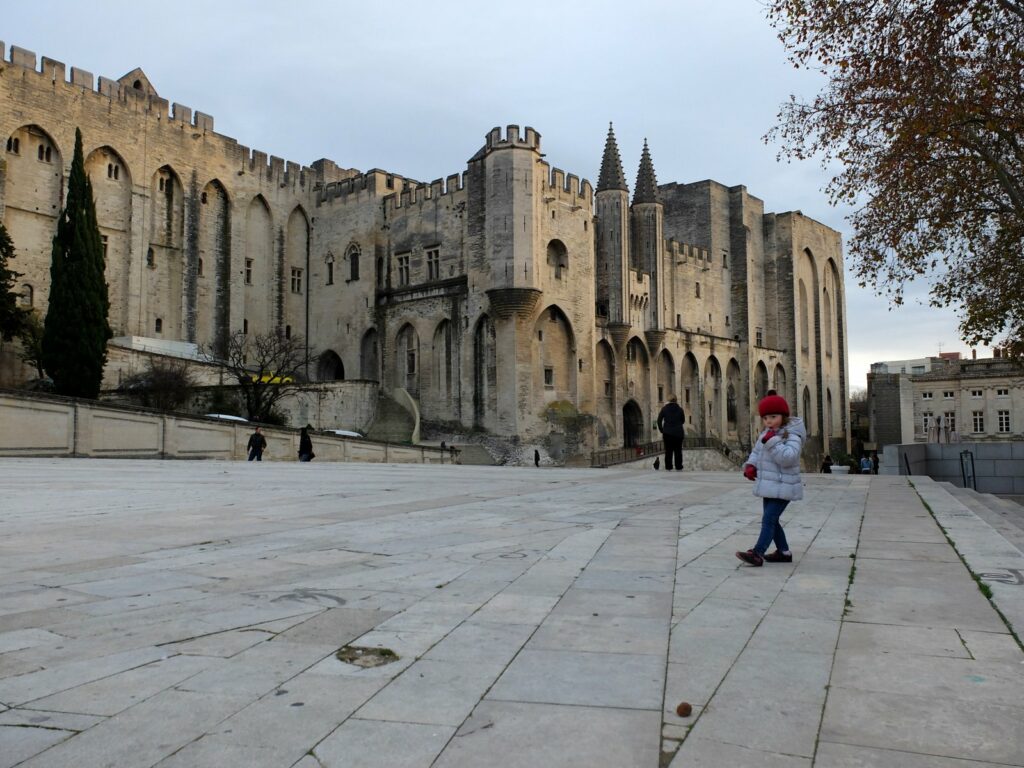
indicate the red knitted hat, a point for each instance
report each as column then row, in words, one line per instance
column 773, row 404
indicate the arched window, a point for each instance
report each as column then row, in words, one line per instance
column 158, row 326
column 27, row 297
column 353, row 262
column 558, row 258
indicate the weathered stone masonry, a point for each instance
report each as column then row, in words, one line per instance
column 511, row 297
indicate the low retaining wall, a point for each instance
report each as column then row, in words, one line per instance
column 998, row 467
column 45, row 425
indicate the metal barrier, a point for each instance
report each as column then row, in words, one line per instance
column 610, row 456
column 967, row 470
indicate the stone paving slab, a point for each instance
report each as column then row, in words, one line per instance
column 188, row 614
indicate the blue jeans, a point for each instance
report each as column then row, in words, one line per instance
column 771, row 528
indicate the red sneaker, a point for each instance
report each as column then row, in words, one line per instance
column 750, row 557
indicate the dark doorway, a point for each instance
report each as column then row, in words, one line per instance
column 632, row 424
column 330, row 367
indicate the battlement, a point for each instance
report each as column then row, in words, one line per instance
column 511, row 138
column 417, row 193
column 686, row 253
column 144, row 100
column 567, row 186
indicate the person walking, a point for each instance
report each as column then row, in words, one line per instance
column 826, row 465
column 670, row 423
column 305, row 445
column 774, row 466
column 865, row 465
column 257, row 445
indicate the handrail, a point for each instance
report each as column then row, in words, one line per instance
column 610, row 456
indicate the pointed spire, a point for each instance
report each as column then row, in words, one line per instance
column 646, row 183
column 611, row 176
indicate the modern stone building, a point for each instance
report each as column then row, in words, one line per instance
column 977, row 400
column 510, row 296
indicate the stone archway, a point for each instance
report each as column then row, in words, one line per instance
column 632, row 424
column 329, row 367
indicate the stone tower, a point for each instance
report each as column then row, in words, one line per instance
column 611, row 208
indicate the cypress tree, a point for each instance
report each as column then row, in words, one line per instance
column 76, row 330
column 12, row 317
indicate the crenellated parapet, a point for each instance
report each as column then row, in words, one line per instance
column 417, row 193
column 135, row 95
column 567, row 188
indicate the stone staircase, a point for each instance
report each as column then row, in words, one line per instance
column 1005, row 516
column 392, row 423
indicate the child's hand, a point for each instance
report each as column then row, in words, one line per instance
column 768, row 435
column 750, row 472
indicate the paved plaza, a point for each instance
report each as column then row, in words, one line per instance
column 182, row 614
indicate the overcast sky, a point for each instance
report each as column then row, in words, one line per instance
column 412, row 87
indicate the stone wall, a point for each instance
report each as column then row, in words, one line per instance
column 998, row 467
column 51, row 426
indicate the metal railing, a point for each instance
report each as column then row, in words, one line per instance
column 610, row 456
column 967, row 470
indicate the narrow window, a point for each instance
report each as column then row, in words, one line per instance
column 159, row 325
column 679, row 321
column 199, row 268
column 403, row 270
column 549, row 377
column 105, row 242
column 161, row 184
column 698, row 290
column 330, row 273
column 433, row 264
column 287, row 331
column 150, row 258
column 42, row 152
column 245, row 325
column 353, row 263
column 978, row 418
column 296, row 280
column 661, row 393
column 926, row 420
column 607, row 388
column 27, row 297
column 202, row 198
column 248, row 271
column 380, row 271
column 117, row 171
column 759, row 337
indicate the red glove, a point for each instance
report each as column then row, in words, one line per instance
column 750, row 472
column 768, row 435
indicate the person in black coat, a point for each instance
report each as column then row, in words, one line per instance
column 305, row 445
column 670, row 423
column 256, row 445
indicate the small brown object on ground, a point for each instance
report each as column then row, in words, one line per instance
column 684, row 709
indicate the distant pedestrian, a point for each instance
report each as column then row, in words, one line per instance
column 774, row 466
column 305, row 445
column 670, row 424
column 874, row 463
column 257, row 445
column 536, row 457
column 826, row 465
column 865, row 465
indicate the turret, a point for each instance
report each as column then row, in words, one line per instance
column 647, row 219
column 611, row 206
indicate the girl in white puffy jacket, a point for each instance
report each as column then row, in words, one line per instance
column 774, row 466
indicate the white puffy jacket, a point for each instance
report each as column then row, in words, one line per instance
column 778, row 462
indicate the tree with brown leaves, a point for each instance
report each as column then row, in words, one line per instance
column 923, row 110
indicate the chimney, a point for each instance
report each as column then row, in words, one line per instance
column 974, row 354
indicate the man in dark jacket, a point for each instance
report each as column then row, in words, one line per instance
column 257, row 444
column 670, row 424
